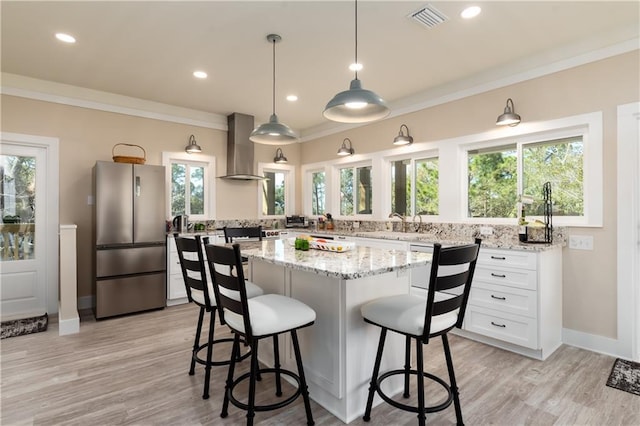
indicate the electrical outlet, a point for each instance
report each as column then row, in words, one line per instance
column 581, row 242
column 356, row 224
column 90, row 200
column 486, row 230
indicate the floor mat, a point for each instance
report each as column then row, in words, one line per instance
column 625, row 375
column 20, row 327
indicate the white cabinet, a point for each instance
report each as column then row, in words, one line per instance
column 516, row 301
column 176, row 291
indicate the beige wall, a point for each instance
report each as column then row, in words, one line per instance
column 589, row 290
column 589, row 276
column 89, row 135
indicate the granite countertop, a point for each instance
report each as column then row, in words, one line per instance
column 356, row 263
column 508, row 244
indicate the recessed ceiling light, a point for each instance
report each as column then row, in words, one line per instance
column 355, row 67
column 200, row 74
column 292, row 98
column 470, row 12
column 65, row 37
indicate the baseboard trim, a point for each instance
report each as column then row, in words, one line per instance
column 86, row 302
column 591, row 342
column 68, row 326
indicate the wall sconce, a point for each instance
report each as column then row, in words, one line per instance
column 193, row 146
column 344, row 150
column 509, row 118
column 403, row 139
column 280, row 158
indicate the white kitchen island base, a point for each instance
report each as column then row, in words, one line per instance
column 339, row 350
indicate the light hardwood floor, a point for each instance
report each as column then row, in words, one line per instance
column 133, row 370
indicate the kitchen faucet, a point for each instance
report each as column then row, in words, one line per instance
column 403, row 218
column 416, row 226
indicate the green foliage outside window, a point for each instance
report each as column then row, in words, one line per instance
column 493, row 182
column 179, row 192
column 318, row 193
column 17, row 184
column 426, row 187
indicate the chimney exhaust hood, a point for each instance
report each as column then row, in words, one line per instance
column 240, row 148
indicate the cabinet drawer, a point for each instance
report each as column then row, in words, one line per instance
column 515, row 329
column 519, row 278
column 504, row 299
column 508, row 258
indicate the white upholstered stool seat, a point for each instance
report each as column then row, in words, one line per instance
column 404, row 313
column 272, row 314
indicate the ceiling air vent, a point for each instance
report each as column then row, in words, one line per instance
column 428, row 16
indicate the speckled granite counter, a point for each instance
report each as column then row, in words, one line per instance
column 353, row 264
column 444, row 238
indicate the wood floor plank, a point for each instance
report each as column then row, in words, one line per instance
column 132, row 370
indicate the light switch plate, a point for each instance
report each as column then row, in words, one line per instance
column 581, row 242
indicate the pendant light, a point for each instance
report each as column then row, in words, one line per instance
column 273, row 132
column 356, row 105
column 509, row 118
column 280, row 158
column 193, row 147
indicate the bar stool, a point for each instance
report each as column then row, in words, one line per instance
column 418, row 318
column 200, row 291
column 254, row 319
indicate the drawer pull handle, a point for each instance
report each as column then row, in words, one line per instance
column 498, row 297
column 498, row 275
column 499, row 257
column 498, row 325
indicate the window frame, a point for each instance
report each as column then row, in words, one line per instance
column 289, row 188
column 209, row 164
column 335, row 183
column 413, row 157
column 588, row 126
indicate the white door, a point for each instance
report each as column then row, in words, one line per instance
column 28, row 237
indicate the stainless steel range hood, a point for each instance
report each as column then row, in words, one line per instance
column 240, row 148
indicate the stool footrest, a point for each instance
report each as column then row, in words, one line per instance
column 203, row 361
column 269, row 407
column 411, row 408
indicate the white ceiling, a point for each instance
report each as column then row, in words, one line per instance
column 148, row 50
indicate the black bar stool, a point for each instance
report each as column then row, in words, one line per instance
column 418, row 318
column 254, row 319
column 200, row 291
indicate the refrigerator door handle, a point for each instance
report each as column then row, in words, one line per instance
column 137, row 186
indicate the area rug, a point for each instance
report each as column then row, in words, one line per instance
column 20, row 327
column 625, row 375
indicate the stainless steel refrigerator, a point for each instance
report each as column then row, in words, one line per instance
column 130, row 238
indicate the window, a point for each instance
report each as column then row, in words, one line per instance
column 561, row 163
column 187, row 189
column 497, row 175
column 318, row 193
column 191, row 190
column 355, row 191
column 276, row 190
column 273, row 191
column 492, row 175
column 414, row 183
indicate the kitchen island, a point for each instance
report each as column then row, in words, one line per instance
column 338, row 351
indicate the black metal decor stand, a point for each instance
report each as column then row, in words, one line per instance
column 548, row 216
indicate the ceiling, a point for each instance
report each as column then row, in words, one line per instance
column 148, row 50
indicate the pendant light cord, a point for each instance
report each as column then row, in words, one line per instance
column 274, row 77
column 356, row 13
